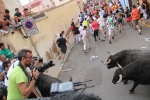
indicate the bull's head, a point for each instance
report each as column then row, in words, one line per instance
column 110, row 61
column 118, row 76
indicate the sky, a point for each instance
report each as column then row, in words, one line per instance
column 23, row 2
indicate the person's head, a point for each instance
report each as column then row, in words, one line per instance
column 26, row 9
column 84, row 18
column 80, row 24
column 85, row 28
column 61, row 35
column 3, row 58
column 6, row 65
column 138, row 4
column 27, row 48
column 2, row 46
column 25, row 57
column 6, row 12
column 133, row 7
column 117, row 11
column 62, row 32
column 127, row 8
column 17, row 9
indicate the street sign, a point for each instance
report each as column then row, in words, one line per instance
column 29, row 26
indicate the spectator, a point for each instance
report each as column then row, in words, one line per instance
column 2, row 59
column 25, row 12
column 5, row 51
column 3, row 88
column 17, row 83
column 7, row 17
column 18, row 16
column 63, row 47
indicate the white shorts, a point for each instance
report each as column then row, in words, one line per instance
column 102, row 28
column 110, row 30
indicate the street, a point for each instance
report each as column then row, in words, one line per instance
column 85, row 69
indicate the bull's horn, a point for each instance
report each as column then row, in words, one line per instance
column 110, row 53
column 119, row 65
column 106, row 63
column 120, row 78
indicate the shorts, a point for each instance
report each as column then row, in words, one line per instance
column 102, row 28
column 129, row 19
column 136, row 22
column 141, row 15
column 119, row 21
column 63, row 49
column 110, row 30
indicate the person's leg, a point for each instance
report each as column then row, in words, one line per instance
column 3, row 24
column 95, row 36
column 16, row 19
column 109, row 34
column 84, row 46
column 138, row 27
column 22, row 33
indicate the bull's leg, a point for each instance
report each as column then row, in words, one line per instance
column 133, row 88
column 125, row 82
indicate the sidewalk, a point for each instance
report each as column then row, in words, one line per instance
column 55, row 70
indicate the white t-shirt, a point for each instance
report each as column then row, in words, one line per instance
column 140, row 8
column 11, row 68
column 84, row 34
column 81, row 29
column 101, row 21
column 80, row 19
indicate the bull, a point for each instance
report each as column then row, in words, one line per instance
column 125, row 57
column 138, row 71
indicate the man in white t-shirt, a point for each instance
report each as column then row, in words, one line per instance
column 81, row 29
column 101, row 22
column 85, row 38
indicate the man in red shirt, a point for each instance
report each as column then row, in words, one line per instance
column 136, row 16
column 95, row 27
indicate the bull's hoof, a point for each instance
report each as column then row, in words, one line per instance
column 131, row 92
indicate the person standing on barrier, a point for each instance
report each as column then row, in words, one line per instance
column 20, row 84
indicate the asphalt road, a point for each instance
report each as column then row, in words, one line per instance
column 85, row 69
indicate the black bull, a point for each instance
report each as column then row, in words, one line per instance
column 44, row 84
column 125, row 57
column 138, row 71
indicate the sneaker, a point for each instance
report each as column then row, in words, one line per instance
column 84, row 51
column 113, row 37
column 59, row 58
column 119, row 31
column 89, row 48
column 109, row 41
column 12, row 33
column 140, row 32
column 103, row 39
column 25, row 36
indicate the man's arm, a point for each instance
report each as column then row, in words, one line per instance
column 36, row 94
column 26, row 90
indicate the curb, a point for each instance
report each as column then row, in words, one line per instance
column 65, row 59
column 147, row 25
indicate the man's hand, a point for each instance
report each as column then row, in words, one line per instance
column 35, row 73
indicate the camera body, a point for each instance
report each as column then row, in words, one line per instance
column 36, row 58
column 45, row 66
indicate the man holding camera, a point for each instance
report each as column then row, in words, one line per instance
column 20, row 85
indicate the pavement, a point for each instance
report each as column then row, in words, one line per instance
column 83, row 68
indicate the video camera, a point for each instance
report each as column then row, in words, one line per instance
column 44, row 66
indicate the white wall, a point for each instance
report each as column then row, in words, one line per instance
column 11, row 5
column 47, row 2
column 60, row 2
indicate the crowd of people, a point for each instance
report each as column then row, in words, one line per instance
column 9, row 23
column 98, row 15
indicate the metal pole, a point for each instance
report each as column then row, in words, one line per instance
column 34, row 47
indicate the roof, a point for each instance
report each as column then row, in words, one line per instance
column 33, row 4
